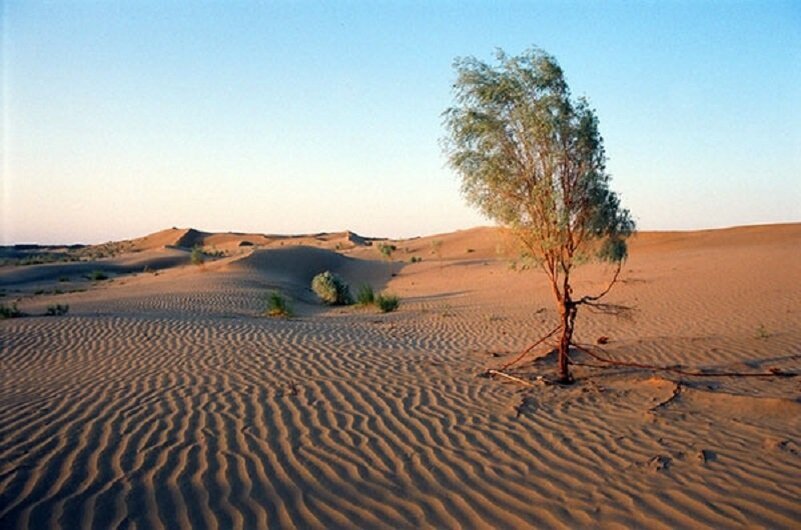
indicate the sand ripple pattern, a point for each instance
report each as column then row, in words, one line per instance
column 348, row 422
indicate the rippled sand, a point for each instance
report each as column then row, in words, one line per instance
column 167, row 401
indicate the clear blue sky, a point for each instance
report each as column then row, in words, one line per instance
column 122, row 118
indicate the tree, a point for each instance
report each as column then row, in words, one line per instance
column 531, row 158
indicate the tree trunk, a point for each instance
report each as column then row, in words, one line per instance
column 568, row 310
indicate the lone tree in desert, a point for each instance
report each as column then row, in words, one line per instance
column 530, row 157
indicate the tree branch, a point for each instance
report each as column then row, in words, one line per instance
column 589, row 299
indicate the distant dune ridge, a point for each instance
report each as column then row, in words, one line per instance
column 164, row 399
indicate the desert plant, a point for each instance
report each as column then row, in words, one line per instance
column 436, row 248
column 10, row 311
column 277, row 305
column 416, row 259
column 97, row 275
column 57, row 310
column 197, row 257
column 365, row 295
column 387, row 302
column 331, row 289
column 531, row 157
column 386, row 250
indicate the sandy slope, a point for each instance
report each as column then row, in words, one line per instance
column 166, row 401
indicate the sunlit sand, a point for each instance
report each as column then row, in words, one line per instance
column 165, row 398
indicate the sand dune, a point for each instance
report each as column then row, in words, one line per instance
column 167, row 401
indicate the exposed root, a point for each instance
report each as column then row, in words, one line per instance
column 528, row 350
column 775, row 372
column 676, row 394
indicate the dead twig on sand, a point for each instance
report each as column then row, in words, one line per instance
column 510, row 377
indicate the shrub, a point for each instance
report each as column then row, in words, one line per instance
column 57, row 310
column 197, row 257
column 277, row 305
column 97, row 275
column 331, row 289
column 365, row 295
column 386, row 250
column 10, row 311
column 416, row 259
column 387, row 302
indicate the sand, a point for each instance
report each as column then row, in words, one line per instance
column 163, row 399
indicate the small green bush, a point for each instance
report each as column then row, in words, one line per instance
column 10, row 311
column 197, row 257
column 277, row 305
column 57, row 310
column 331, row 289
column 365, row 295
column 386, row 250
column 97, row 275
column 387, row 302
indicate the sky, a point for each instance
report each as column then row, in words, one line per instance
column 123, row 118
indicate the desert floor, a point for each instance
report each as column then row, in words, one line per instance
column 164, row 399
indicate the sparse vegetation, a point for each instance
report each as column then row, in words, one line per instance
column 436, row 248
column 278, row 305
column 10, row 311
column 762, row 332
column 197, row 257
column 387, row 302
column 365, row 295
column 416, row 259
column 97, row 275
column 213, row 253
column 331, row 289
column 57, row 310
column 386, row 250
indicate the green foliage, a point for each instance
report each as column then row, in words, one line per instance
column 57, row 310
column 386, row 250
column 331, row 289
column 11, row 311
column 531, row 157
column 277, row 305
column 387, row 302
column 365, row 295
column 197, row 257
column 97, row 275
